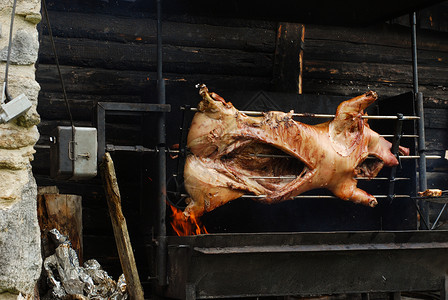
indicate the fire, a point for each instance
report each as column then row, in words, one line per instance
column 182, row 227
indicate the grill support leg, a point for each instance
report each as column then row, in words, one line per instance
column 190, row 292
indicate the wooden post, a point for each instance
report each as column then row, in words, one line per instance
column 120, row 229
column 63, row 212
column 288, row 60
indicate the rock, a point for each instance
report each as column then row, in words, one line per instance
column 21, row 79
column 10, row 296
column 13, row 136
column 33, row 18
column 20, row 263
column 30, row 118
column 17, row 159
column 28, row 7
column 20, row 239
column 11, row 183
column 25, row 47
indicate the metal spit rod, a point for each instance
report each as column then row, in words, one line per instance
column 313, row 196
column 161, row 258
column 294, row 177
column 112, row 148
column 311, row 115
column 402, row 136
column 401, row 156
column 323, row 196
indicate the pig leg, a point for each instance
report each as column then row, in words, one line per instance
column 361, row 196
column 350, row 192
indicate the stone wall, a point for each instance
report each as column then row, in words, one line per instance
column 20, row 258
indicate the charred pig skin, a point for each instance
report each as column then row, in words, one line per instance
column 232, row 154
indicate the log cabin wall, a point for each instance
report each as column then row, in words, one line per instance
column 107, row 51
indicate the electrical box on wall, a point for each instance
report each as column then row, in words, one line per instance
column 73, row 153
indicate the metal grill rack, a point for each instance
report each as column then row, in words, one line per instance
column 396, row 139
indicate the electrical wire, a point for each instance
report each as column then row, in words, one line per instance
column 72, row 143
column 11, row 26
column 44, row 6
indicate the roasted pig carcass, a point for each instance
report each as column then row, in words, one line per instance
column 232, row 154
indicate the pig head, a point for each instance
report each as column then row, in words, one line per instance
column 232, row 154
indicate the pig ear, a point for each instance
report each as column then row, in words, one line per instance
column 347, row 127
column 355, row 105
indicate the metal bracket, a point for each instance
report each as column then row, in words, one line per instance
column 395, row 151
column 120, row 108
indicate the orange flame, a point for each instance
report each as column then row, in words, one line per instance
column 191, row 226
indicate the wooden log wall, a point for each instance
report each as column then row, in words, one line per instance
column 110, row 55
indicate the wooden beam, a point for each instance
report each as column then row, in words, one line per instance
column 382, row 34
column 337, row 50
column 97, row 81
column 333, row 86
column 120, row 229
column 139, row 31
column 288, row 59
column 176, row 59
column 373, row 72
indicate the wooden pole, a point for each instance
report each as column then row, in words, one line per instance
column 120, row 229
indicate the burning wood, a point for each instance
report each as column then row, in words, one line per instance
column 233, row 154
column 184, row 227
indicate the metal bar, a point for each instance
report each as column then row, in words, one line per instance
column 422, row 153
column 161, row 216
column 357, row 178
column 135, row 107
column 274, row 177
column 419, row 157
column 394, row 149
column 405, row 118
column 137, row 148
column 317, row 248
column 323, row 196
column 418, row 98
column 401, row 156
column 271, row 155
column 382, row 178
column 420, row 213
column 438, row 217
column 183, row 140
column 413, row 21
column 312, row 196
column 402, row 136
column 311, row 115
column 101, row 127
